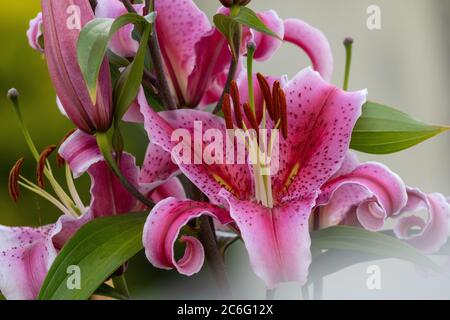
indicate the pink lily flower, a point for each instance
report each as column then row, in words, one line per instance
column 62, row 23
column 272, row 219
column 34, row 33
column 196, row 55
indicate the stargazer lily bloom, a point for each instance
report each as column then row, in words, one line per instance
column 26, row 253
column 196, row 56
column 62, row 23
column 271, row 212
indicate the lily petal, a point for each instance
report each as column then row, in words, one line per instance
column 277, row 239
column 180, row 26
column 375, row 191
column 321, row 119
column 163, row 227
column 172, row 188
column 434, row 233
column 208, row 178
column 34, row 32
column 26, row 255
column 313, row 42
column 122, row 42
column 267, row 45
column 108, row 196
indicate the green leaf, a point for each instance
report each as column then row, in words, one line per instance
column 128, row 85
column 382, row 130
column 93, row 43
column 99, row 248
column 249, row 18
column 231, row 30
column 367, row 242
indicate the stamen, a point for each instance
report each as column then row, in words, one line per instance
column 251, row 117
column 265, row 88
column 275, row 101
column 60, row 160
column 13, row 180
column 236, row 103
column 226, row 109
column 41, row 165
column 283, row 112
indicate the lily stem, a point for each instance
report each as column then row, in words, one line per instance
column 348, row 43
column 106, row 150
column 226, row 89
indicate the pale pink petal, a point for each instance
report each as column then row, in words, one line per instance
column 108, row 196
column 321, row 118
column 172, row 188
column 80, row 151
column 163, row 227
column 26, row 255
column 372, row 188
column 267, row 45
column 313, row 42
column 180, row 25
column 34, row 32
column 427, row 236
column 277, row 240
column 209, row 178
column 122, row 42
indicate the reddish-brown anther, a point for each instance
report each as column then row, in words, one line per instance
column 41, row 165
column 275, row 101
column 283, row 113
column 251, row 117
column 265, row 89
column 226, row 109
column 13, row 180
column 234, row 91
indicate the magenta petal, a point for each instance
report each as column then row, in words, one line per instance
column 435, row 231
column 207, row 177
column 212, row 59
column 180, row 25
column 172, row 188
column 122, row 42
column 34, row 32
column 313, row 42
column 277, row 240
column 62, row 23
column 372, row 188
column 162, row 230
column 26, row 255
column 80, row 151
column 158, row 167
column 267, row 45
column 321, row 118
column 108, row 196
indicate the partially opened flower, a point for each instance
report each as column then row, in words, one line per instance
column 271, row 211
column 62, row 23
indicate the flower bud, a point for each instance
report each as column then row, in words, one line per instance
column 63, row 21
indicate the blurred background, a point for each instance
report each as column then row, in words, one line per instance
column 405, row 65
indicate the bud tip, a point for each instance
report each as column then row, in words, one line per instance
column 348, row 41
column 12, row 94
